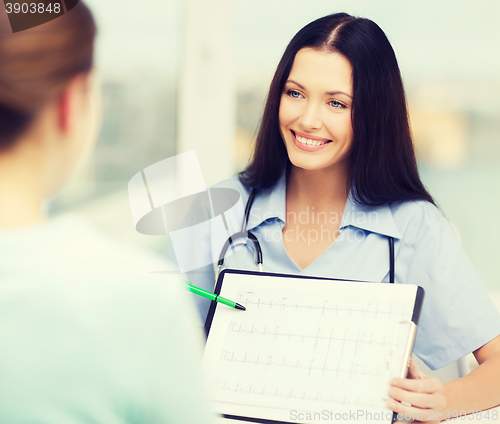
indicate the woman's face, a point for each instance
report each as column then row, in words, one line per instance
column 315, row 110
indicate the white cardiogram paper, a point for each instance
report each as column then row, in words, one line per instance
column 306, row 345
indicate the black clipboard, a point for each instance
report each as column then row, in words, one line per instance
column 417, row 306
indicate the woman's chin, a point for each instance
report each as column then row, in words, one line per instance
column 306, row 160
column 308, row 164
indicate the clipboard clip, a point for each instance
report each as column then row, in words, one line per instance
column 410, row 338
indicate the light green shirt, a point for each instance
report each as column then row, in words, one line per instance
column 88, row 335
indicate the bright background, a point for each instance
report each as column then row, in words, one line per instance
column 190, row 74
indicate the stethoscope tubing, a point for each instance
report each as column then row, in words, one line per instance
column 242, row 234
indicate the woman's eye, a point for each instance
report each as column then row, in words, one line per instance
column 294, row 94
column 336, row 104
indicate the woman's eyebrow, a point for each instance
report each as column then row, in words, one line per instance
column 328, row 93
column 332, row 93
column 296, row 83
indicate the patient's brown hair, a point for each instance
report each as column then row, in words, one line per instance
column 36, row 64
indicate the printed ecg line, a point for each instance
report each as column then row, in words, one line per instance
column 291, row 394
column 229, row 357
column 283, row 305
column 236, row 327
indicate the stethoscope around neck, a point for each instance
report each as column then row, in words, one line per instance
column 244, row 233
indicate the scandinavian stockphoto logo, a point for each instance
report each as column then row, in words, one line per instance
column 28, row 14
column 171, row 197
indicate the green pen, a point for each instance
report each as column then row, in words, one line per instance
column 215, row 297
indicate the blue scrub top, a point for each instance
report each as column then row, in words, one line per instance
column 457, row 315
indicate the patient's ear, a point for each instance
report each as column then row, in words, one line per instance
column 63, row 111
column 69, row 103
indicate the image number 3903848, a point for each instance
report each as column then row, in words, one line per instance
column 25, row 14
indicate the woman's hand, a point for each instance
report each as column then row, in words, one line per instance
column 423, row 393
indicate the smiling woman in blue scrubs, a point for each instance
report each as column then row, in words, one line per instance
column 336, row 176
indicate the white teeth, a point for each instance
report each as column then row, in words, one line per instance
column 309, row 142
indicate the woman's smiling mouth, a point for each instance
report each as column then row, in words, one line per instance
column 308, row 144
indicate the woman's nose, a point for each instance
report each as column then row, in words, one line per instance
column 309, row 118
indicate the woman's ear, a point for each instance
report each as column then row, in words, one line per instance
column 69, row 102
column 63, row 110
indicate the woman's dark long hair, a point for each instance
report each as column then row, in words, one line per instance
column 383, row 168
